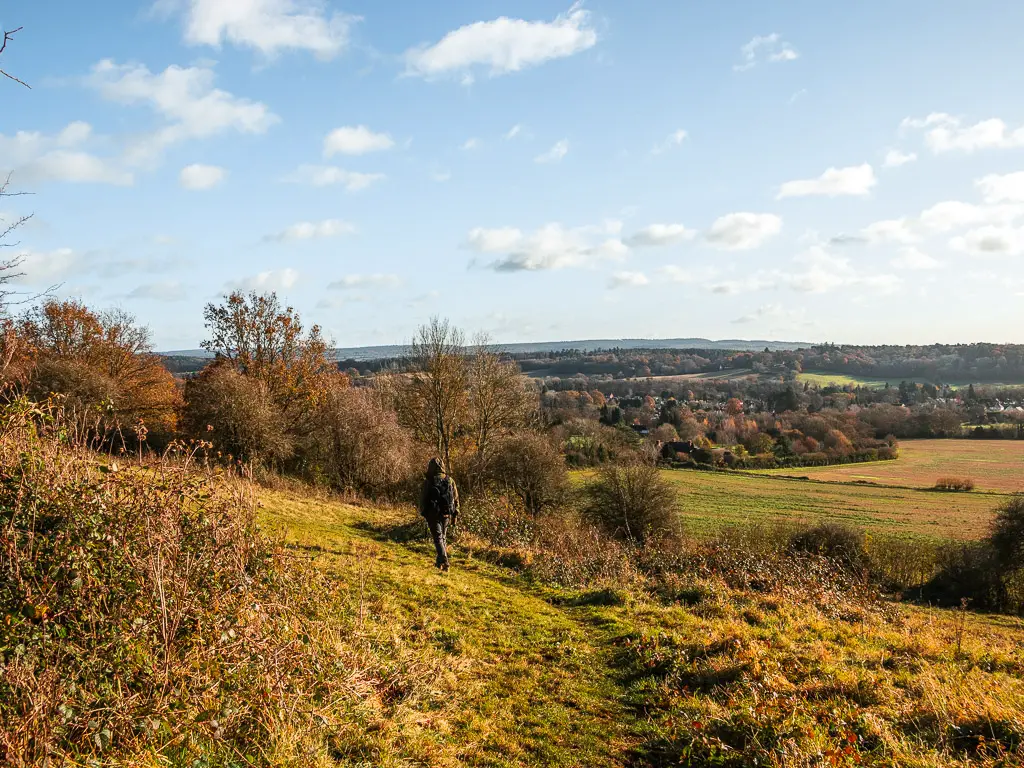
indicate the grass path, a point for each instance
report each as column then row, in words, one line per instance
column 535, row 680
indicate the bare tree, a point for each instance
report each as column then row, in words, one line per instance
column 499, row 398
column 440, row 386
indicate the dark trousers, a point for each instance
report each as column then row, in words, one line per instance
column 439, row 532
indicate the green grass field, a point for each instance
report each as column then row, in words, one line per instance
column 711, row 500
column 485, row 667
column 994, row 465
column 842, row 380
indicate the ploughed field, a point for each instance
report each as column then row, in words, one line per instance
column 993, row 465
column 712, row 500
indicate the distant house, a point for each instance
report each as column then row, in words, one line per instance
column 640, row 429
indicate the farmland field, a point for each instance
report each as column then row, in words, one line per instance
column 710, row 500
column 994, row 465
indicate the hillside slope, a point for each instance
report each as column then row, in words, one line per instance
column 484, row 667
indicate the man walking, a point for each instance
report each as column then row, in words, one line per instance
column 439, row 505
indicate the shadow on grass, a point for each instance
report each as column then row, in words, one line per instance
column 399, row 533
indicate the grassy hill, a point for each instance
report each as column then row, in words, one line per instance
column 495, row 668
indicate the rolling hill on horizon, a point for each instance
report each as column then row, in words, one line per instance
column 586, row 345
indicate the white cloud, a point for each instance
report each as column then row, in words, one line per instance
column 470, row 144
column 550, row 247
column 441, row 176
column 199, row 176
column 271, row 280
column 660, row 234
column 990, row 241
column 628, row 280
column 894, row 158
column 497, row 240
column 677, row 274
column 757, row 282
column 855, row 180
column 1006, row 188
column 46, row 267
column 503, row 45
column 307, row 230
column 773, row 312
column 555, row 154
column 167, row 290
column 914, row 258
column 268, row 26
column 953, row 214
column 766, row 48
column 891, row 231
column 329, row 175
column 185, row 98
column 514, row 131
column 36, row 157
column 743, row 231
column 674, row 139
column 351, row 282
column 822, row 272
column 355, row 140
column 947, row 133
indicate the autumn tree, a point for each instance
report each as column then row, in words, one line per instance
column 261, row 338
column 102, row 363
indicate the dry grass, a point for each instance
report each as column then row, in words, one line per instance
column 995, row 465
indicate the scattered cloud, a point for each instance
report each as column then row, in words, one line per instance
column 165, row 290
column 855, row 180
column 329, row 175
column 774, row 313
column 199, row 176
column 660, row 234
column 555, row 154
column 36, row 157
column 441, row 176
column 990, row 241
column 352, row 282
column 267, row 26
column 891, row 231
column 743, row 231
column 674, row 139
column 821, row 271
column 947, row 133
column 894, row 158
column 758, row 282
column 271, row 280
column 514, row 131
column 797, row 96
column 470, row 144
column 686, row 275
column 307, row 230
column 46, row 267
column 627, row 280
column 550, row 247
column 1006, row 188
column 503, row 45
column 913, row 258
column 765, row 49
column 355, row 140
column 184, row 97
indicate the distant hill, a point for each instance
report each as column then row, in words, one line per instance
column 588, row 345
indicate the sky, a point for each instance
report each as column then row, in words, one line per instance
column 536, row 170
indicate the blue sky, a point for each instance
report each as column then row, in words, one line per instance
column 848, row 172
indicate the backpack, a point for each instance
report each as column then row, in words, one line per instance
column 441, row 497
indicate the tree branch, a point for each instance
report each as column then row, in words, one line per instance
column 8, row 36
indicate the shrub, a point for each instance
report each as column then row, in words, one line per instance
column 954, row 484
column 967, row 571
column 529, row 466
column 839, row 543
column 359, row 444
column 632, row 501
column 237, row 414
column 1007, row 535
column 145, row 621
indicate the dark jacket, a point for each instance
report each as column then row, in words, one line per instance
column 433, row 470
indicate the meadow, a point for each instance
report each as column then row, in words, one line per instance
column 993, row 465
column 712, row 500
